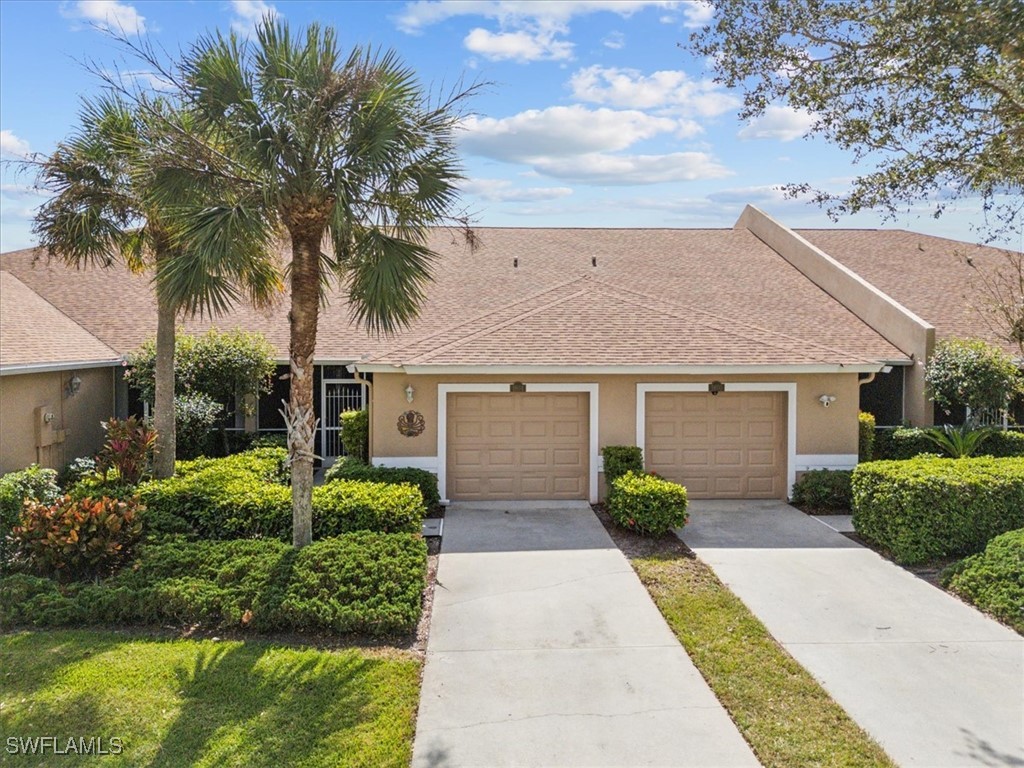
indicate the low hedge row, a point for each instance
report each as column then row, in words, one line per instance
column 824, row 490
column 353, row 469
column 368, row 583
column 242, row 496
column 908, row 442
column 929, row 507
column 993, row 580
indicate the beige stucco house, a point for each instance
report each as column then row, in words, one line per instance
column 737, row 358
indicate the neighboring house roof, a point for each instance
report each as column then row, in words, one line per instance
column 36, row 335
column 928, row 275
column 542, row 296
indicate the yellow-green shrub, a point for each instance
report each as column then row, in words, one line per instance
column 931, row 507
column 647, row 504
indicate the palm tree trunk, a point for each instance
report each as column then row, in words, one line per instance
column 300, row 416
column 163, row 408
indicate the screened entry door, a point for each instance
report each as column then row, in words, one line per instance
column 337, row 396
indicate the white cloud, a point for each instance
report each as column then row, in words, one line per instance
column 504, row 191
column 416, row 16
column 249, row 13
column 528, row 30
column 621, row 170
column 757, row 195
column 697, row 13
column 559, row 131
column 12, row 146
column 663, row 89
column 521, row 46
column 614, row 40
column 108, row 14
column 780, row 123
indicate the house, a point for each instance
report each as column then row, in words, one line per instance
column 736, row 358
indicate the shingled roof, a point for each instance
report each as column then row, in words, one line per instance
column 34, row 333
column 936, row 278
column 582, row 297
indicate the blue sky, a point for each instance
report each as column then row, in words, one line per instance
column 596, row 117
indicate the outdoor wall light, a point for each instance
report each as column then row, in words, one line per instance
column 716, row 387
column 827, row 400
column 409, row 392
column 74, row 384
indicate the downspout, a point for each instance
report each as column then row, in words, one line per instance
column 369, row 416
column 869, row 379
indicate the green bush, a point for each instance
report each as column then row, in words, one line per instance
column 72, row 538
column 75, row 471
column 825, row 490
column 930, row 507
column 243, row 496
column 994, row 579
column 647, row 504
column 355, row 434
column 972, row 373
column 620, row 459
column 866, row 436
column 349, row 469
column 908, row 442
column 361, row 582
column 34, row 483
column 194, row 417
column 341, row 506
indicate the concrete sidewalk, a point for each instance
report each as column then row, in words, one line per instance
column 546, row 650
column 934, row 681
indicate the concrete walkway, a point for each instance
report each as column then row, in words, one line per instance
column 546, row 650
column 934, row 681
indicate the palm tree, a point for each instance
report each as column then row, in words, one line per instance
column 343, row 154
column 103, row 214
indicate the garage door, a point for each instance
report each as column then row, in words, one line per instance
column 518, row 445
column 729, row 446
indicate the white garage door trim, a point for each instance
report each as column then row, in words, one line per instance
column 443, row 390
column 745, row 386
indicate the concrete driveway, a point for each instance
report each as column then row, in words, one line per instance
column 934, row 681
column 546, row 650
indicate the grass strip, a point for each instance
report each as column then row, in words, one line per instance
column 788, row 719
column 175, row 702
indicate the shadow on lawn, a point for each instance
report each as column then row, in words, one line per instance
column 241, row 705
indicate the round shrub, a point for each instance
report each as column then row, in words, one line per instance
column 994, row 579
column 78, row 537
column 33, row 483
column 647, row 504
column 620, row 459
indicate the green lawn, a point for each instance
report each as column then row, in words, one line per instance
column 786, row 717
column 207, row 703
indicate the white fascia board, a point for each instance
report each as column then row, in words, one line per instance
column 80, row 365
column 596, row 370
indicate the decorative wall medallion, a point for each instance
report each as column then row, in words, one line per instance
column 411, row 424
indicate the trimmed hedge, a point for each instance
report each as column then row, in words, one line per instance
column 351, row 469
column 994, row 579
column 620, row 459
column 908, row 442
column 363, row 582
column 826, row 490
column 866, row 436
column 355, row 434
column 930, row 507
column 241, row 496
column 647, row 504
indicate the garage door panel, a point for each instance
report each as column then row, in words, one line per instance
column 518, row 445
column 726, row 446
column 663, row 429
column 533, row 457
column 501, row 429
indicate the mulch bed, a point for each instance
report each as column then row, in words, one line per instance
column 634, row 545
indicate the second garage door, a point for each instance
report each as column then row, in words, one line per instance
column 522, row 445
column 729, row 446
